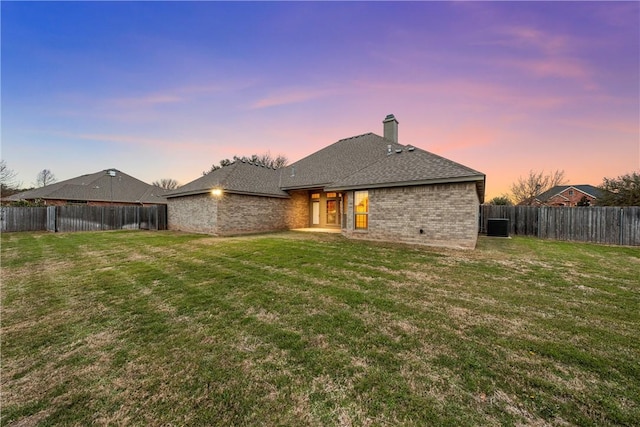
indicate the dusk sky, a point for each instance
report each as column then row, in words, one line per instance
column 165, row 90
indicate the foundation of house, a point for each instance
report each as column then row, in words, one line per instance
column 318, row 230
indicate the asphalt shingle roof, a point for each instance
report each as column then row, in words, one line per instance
column 98, row 187
column 364, row 161
column 407, row 166
column 238, row 177
column 336, row 162
column 361, row 161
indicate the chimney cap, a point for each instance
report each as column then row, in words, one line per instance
column 389, row 118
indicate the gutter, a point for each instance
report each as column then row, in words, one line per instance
column 472, row 178
column 306, row 187
column 245, row 193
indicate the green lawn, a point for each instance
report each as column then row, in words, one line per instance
column 161, row 328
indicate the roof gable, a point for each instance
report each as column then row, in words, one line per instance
column 238, row 177
column 408, row 166
column 586, row 189
column 336, row 162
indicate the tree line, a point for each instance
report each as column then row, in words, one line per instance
column 623, row 190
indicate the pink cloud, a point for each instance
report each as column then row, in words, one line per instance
column 170, row 96
column 466, row 137
column 133, row 140
column 479, row 93
column 549, row 54
column 147, row 100
column 524, row 36
column 630, row 127
column 291, row 96
column 556, row 66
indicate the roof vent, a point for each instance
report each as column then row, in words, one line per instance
column 388, row 149
column 293, row 171
column 112, row 172
column 398, row 150
column 411, row 148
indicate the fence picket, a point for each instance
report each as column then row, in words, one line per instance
column 71, row 218
column 598, row 224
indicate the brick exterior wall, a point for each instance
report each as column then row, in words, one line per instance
column 197, row 214
column 240, row 214
column 435, row 215
column 447, row 214
column 569, row 199
column 298, row 212
column 233, row 214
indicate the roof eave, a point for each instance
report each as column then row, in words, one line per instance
column 305, row 187
column 471, row 178
column 245, row 193
column 186, row 193
column 251, row 193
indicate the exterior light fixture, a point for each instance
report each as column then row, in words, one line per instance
column 217, row 192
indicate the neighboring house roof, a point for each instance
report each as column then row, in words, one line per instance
column 370, row 161
column 588, row 190
column 238, row 177
column 97, row 187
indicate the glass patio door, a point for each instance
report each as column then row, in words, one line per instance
column 315, row 213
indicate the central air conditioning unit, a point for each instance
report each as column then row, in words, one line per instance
column 498, row 227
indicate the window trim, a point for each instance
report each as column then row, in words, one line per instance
column 363, row 214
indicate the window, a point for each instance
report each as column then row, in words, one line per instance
column 315, row 195
column 332, row 211
column 361, row 208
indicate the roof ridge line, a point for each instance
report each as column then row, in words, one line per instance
column 355, row 136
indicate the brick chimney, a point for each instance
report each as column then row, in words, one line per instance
column 390, row 128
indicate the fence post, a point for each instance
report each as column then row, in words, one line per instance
column 51, row 218
column 621, row 240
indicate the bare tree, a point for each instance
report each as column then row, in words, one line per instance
column 166, row 183
column 265, row 159
column 272, row 162
column 8, row 184
column 44, row 178
column 7, row 175
column 526, row 189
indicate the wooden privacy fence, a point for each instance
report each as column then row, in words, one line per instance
column 23, row 219
column 597, row 224
column 83, row 218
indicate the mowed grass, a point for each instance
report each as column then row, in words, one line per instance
column 297, row 329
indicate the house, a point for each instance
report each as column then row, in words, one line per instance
column 366, row 187
column 109, row 187
column 569, row 195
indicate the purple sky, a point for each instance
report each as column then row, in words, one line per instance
column 164, row 90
